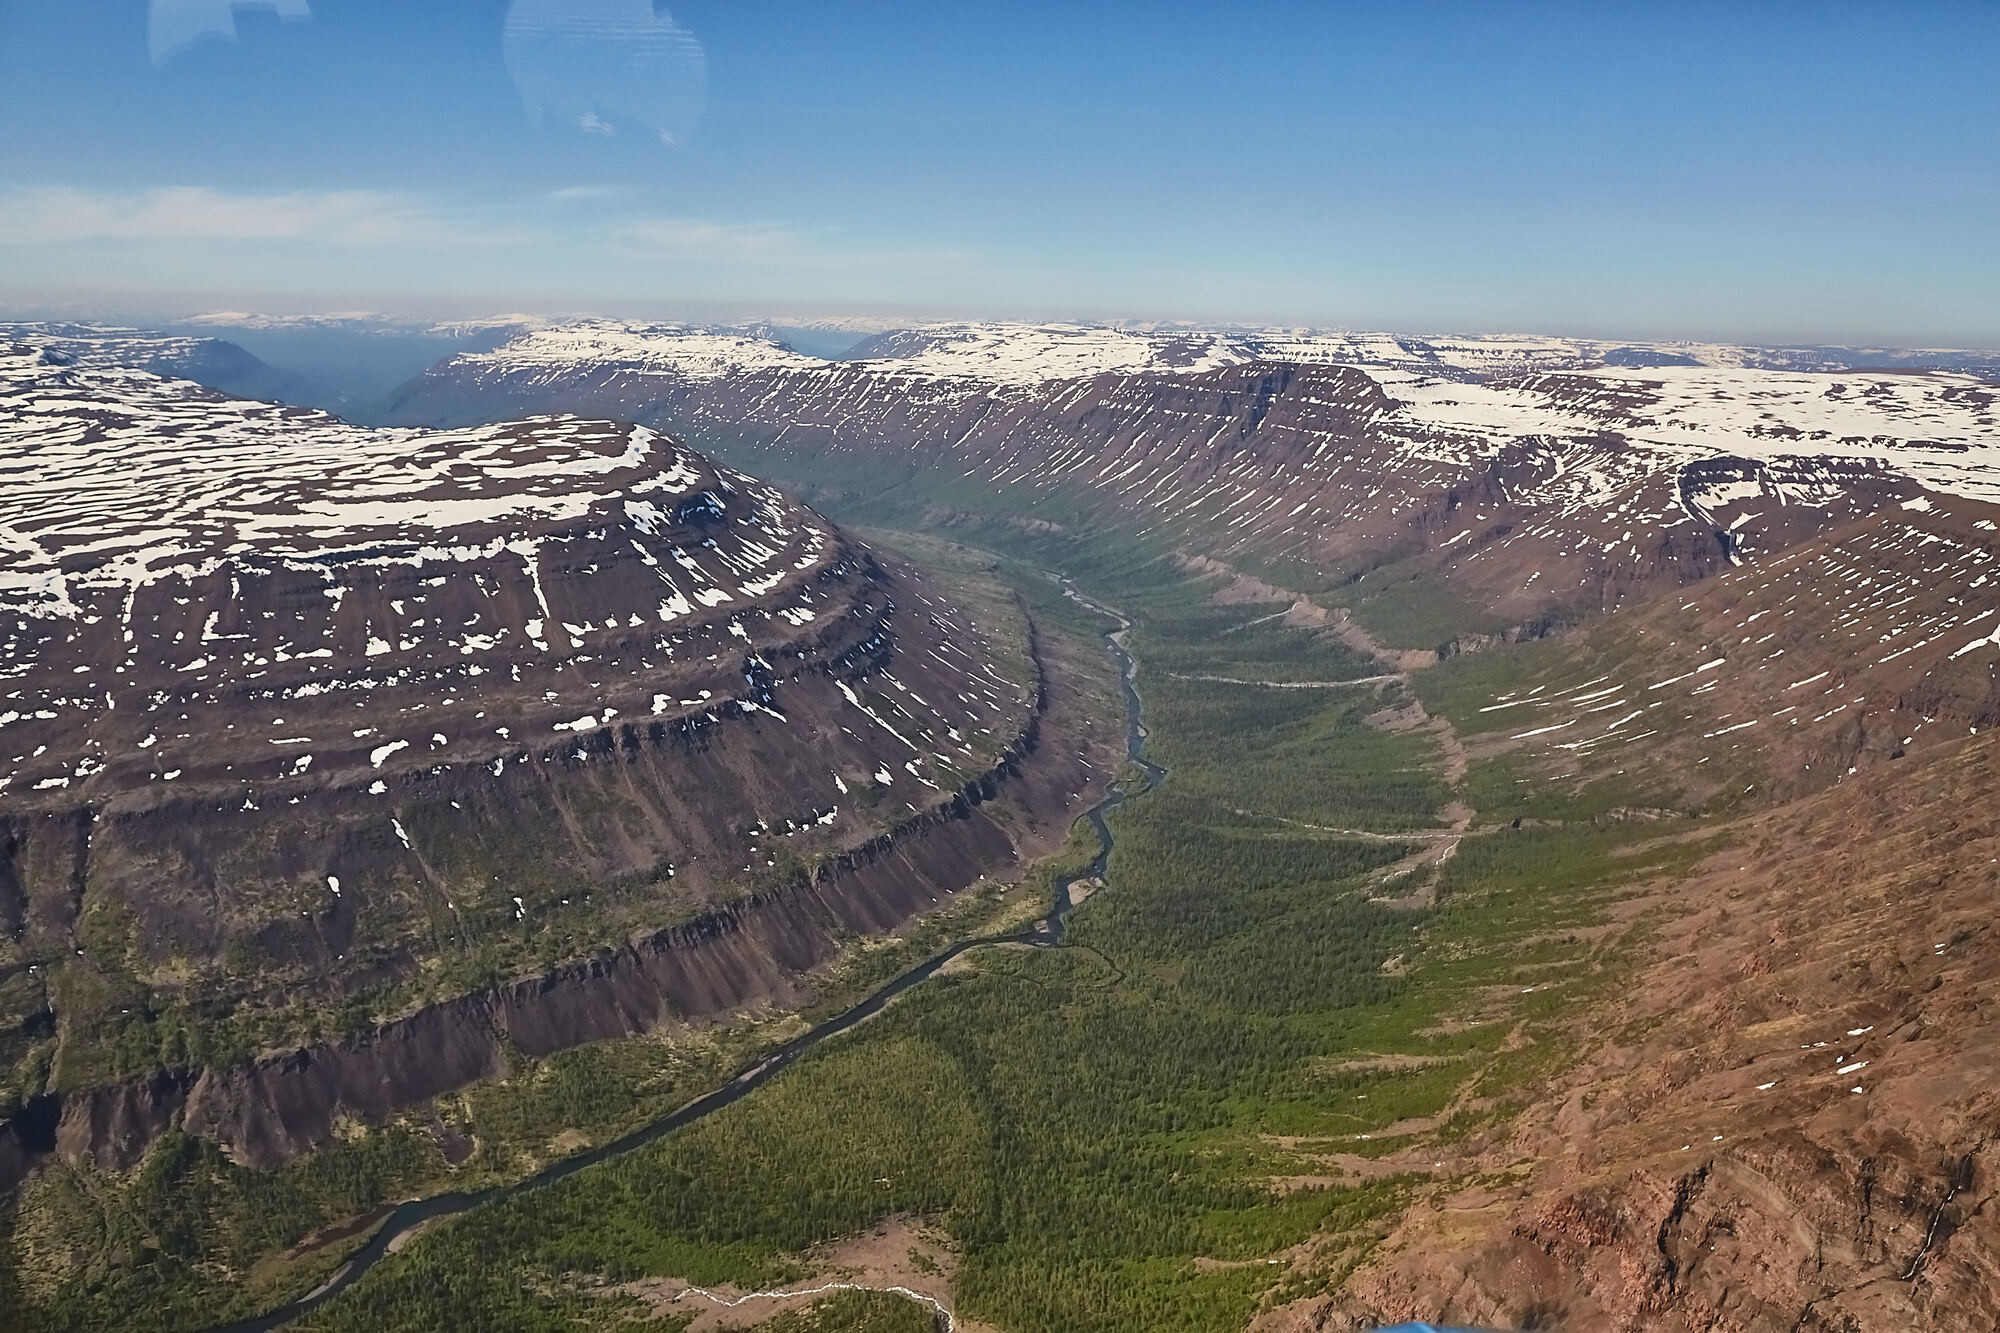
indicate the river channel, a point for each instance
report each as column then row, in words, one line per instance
column 1046, row 932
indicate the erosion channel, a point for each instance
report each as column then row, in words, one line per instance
column 1046, row 933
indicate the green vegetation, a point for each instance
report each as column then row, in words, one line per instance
column 499, row 900
column 1249, row 642
column 1085, row 1123
column 1103, row 1132
column 857, row 1312
column 1293, row 754
column 191, row 1237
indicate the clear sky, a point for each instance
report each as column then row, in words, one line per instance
column 1758, row 170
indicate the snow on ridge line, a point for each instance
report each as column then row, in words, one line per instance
column 684, row 350
column 1938, row 428
column 112, row 476
column 1457, row 398
column 1018, row 354
column 1029, row 354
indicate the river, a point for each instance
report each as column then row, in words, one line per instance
column 1046, row 932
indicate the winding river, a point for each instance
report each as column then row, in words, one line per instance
column 1046, row 932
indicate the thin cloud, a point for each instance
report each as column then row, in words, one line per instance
column 597, row 64
column 55, row 214
column 571, row 194
column 694, row 238
column 260, row 245
column 777, row 247
column 172, row 26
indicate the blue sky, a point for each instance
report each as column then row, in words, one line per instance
column 1757, row 170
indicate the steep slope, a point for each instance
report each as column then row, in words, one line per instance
column 1783, row 1122
column 308, row 728
column 1860, row 644
column 1541, row 494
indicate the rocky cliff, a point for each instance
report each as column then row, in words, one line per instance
column 307, row 729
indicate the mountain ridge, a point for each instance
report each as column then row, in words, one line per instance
column 301, row 713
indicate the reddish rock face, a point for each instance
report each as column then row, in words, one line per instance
column 1533, row 485
column 1783, row 1121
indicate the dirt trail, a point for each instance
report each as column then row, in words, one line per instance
column 1425, row 835
column 1304, row 612
column 1410, row 716
column 898, row 1255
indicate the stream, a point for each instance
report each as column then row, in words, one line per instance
column 1046, row 932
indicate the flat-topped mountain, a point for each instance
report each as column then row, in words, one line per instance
column 165, row 550
column 298, row 717
column 1224, row 415
column 215, row 362
column 1021, row 356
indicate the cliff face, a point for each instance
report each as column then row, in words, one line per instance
column 753, row 953
column 1521, row 487
column 301, row 720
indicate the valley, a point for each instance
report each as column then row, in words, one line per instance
column 1197, row 1011
column 1093, row 668
column 1471, row 952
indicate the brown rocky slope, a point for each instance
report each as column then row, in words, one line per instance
column 1786, row 1123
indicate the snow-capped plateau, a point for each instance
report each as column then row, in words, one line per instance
column 678, row 350
column 362, row 322
column 175, row 565
column 119, row 480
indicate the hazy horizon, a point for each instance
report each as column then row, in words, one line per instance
column 860, row 321
column 1793, row 174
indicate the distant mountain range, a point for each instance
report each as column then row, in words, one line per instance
column 1556, row 476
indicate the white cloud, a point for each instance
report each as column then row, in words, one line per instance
column 695, row 238
column 46, row 215
column 211, row 246
column 570, row 194
column 54, row 214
